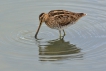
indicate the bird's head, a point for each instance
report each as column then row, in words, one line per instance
column 42, row 18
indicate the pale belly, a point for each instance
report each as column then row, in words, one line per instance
column 59, row 27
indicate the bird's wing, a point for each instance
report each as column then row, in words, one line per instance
column 64, row 19
column 58, row 12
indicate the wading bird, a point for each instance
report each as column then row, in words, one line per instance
column 59, row 19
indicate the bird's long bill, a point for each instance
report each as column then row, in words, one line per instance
column 38, row 29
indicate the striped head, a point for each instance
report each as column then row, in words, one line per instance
column 42, row 18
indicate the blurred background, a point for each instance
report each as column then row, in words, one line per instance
column 82, row 49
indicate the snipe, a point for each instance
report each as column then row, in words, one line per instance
column 59, row 19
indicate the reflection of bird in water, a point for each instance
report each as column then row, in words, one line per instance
column 59, row 19
column 58, row 49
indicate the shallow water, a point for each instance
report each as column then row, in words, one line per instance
column 82, row 49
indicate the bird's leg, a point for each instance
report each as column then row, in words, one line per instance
column 60, row 33
column 64, row 33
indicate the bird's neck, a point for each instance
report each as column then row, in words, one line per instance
column 45, row 17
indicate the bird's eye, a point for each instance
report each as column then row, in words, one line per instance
column 41, row 16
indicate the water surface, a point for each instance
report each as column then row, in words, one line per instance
column 82, row 49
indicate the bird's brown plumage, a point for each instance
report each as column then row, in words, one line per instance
column 58, row 19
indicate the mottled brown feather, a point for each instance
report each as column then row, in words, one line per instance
column 57, row 19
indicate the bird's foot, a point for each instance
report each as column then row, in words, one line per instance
column 61, row 37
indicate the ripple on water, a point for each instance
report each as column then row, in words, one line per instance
column 85, row 41
column 58, row 49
